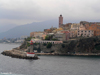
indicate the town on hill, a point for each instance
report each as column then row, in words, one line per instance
column 74, row 38
column 68, row 39
column 69, row 31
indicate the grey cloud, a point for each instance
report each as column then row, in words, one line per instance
column 72, row 10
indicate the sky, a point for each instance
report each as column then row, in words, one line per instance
column 20, row 12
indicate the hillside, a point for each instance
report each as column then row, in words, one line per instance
column 26, row 29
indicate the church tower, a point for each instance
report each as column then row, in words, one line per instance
column 60, row 20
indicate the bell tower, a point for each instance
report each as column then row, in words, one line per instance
column 60, row 20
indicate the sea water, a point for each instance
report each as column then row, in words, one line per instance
column 48, row 65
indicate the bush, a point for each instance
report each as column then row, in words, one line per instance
column 49, row 45
column 97, row 47
column 44, row 44
column 36, row 43
column 28, row 39
column 28, row 44
column 63, row 46
column 48, row 37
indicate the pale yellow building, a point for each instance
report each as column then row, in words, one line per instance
column 75, row 26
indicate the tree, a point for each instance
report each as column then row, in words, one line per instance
column 47, row 37
column 49, row 45
column 28, row 39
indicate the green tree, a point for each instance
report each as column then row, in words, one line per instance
column 48, row 37
column 28, row 44
column 28, row 39
column 49, row 45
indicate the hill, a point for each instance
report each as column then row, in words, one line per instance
column 27, row 28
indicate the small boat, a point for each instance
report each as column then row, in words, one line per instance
column 30, row 54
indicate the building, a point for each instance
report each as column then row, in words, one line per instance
column 75, row 26
column 57, row 30
column 47, row 30
column 66, row 26
column 60, row 20
column 82, row 27
column 40, row 35
column 73, row 33
column 45, row 41
column 85, row 33
column 60, row 36
column 32, row 34
column 67, row 34
column 95, row 28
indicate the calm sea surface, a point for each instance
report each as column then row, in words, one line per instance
column 48, row 65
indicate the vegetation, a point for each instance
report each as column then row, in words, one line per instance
column 97, row 47
column 49, row 45
column 36, row 43
column 28, row 44
column 28, row 39
column 48, row 37
column 63, row 45
column 44, row 44
column 38, row 49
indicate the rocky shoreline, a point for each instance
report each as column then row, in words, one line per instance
column 65, row 54
column 17, row 54
column 22, row 55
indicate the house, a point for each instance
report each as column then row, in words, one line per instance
column 85, row 33
column 60, row 36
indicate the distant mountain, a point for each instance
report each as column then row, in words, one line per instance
column 26, row 29
column 6, row 27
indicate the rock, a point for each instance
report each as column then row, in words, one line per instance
column 17, row 54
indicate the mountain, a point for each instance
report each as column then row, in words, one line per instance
column 27, row 28
column 6, row 27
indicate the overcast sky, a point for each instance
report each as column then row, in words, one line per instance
column 21, row 12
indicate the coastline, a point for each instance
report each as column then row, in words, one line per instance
column 17, row 54
column 65, row 54
column 22, row 55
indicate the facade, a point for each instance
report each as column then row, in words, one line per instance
column 67, row 34
column 95, row 28
column 82, row 27
column 73, row 33
column 60, row 36
column 75, row 26
column 57, row 30
column 31, row 34
column 66, row 26
column 85, row 33
column 41, row 41
column 40, row 35
column 60, row 20
column 47, row 30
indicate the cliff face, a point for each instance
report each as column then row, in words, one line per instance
column 83, row 45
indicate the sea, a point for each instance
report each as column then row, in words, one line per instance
column 48, row 65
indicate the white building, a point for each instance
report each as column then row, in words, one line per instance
column 85, row 33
